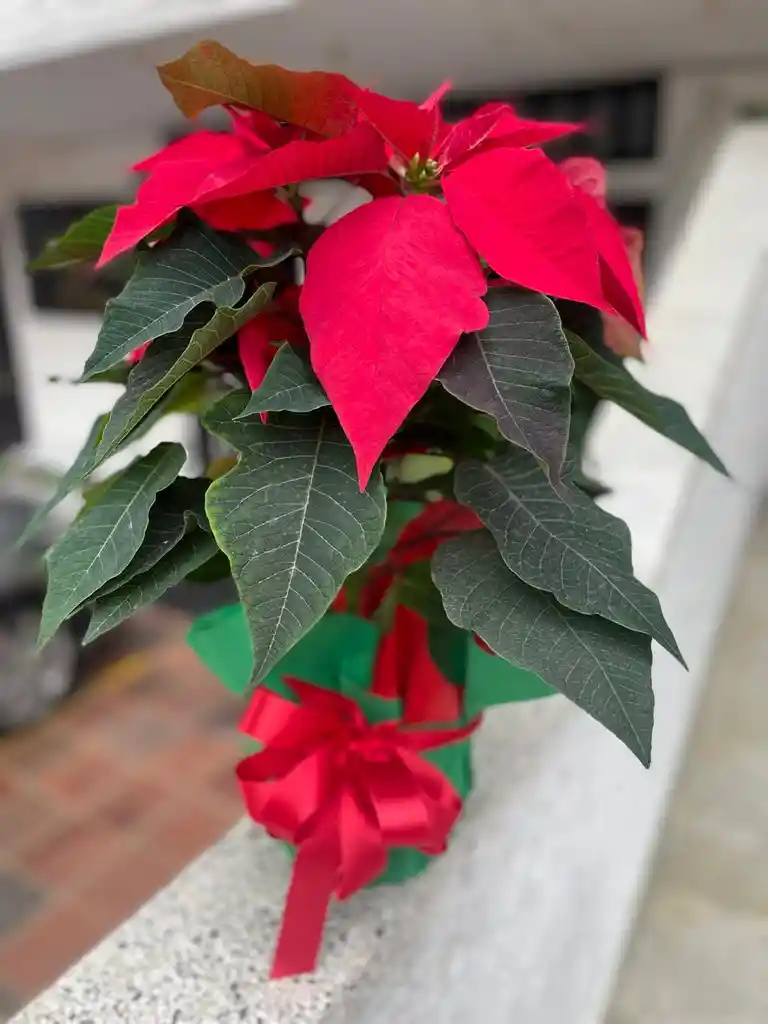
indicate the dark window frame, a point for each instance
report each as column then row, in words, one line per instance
column 77, row 289
column 600, row 103
column 11, row 423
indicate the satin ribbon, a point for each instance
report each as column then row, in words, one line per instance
column 343, row 791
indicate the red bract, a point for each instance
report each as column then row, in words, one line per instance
column 263, row 131
column 258, row 211
column 619, row 285
column 519, row 213
column 616, row 274
column 588, row 174
column 254, row 348
column 392, row 285
column 179, row 175
column 360, row 151
column 217, row 167
column 204, row 146
column 258, row 340
column 620, row 335
column 136, row 354
column 406, row 127
column 404, row 669
column 433, row 100
column 513, row 205
column 494, row 125
column 422, row 536
column 420, row 130
column 379, row 331
column 418, row 541
column 389, row 290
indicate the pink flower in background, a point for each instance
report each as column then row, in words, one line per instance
column 621, row 336
column 588, row 175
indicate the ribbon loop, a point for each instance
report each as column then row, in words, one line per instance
column 344, row 792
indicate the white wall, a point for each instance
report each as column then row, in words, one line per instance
column 400, row 45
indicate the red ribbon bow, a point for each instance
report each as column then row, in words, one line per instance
column 343, row 791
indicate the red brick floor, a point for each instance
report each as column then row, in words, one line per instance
column 105, row 801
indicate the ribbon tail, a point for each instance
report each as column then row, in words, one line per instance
column 306, row 906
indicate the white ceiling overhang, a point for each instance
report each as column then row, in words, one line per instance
column 403, row 46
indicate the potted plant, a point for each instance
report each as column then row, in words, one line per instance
column 398, row 329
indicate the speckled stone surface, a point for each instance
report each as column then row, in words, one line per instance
column 699, row 954
column 199, row 952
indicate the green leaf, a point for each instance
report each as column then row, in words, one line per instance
column 562, row 542
column 177, row 510
column 190, row 395
column 584, row 406
column 77, row 471
column 289, row 385
column 518, row 370
column 416, row 589
column 448, row 650
column 215, row 569
column 603, row 668
column 194, row 550
column 169, row 359
column 92, row 492
column 291, row 519
column 195, row 265
column 399, row 514
column 416, row 468
column 588, row 323
column 82, row 240
column 616, row 384
column 185, row 393
column 117, row 374
column 103, row 540
column 587, row 485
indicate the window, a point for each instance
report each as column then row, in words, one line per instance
column 10, row 419
column 633, row 215
column 78, row 288
column 622, row 116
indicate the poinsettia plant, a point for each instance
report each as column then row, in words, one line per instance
column 398, row 327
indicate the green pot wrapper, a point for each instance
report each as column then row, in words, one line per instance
column 338, row 654
column 222, row 642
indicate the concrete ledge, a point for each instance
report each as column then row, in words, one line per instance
column 526, row 917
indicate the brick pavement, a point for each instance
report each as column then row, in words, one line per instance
column 105, row 801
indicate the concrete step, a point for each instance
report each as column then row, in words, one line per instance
column 699, row 952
